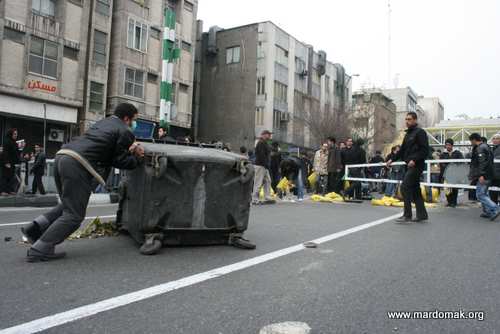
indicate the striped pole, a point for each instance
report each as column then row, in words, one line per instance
column 169, row 54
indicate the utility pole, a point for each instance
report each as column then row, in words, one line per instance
column 389, row 79
column 169, row 54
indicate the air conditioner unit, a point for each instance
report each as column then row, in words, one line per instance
column 56, row 135
column 285, row 116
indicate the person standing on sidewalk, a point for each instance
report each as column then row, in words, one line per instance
column 414, row 150
column 481, row 173
column 262, row 165
column 496, row 168
column 320, row 167
column 335, row 168
column 108, row 143
column 38, row 170
column 450, row 153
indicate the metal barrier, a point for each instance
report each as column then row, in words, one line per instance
column 427, row 171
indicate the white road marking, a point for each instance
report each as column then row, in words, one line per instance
column 289, row 327
column 86, row 218
column 85, row 311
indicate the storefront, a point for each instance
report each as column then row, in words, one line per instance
column 37, row 124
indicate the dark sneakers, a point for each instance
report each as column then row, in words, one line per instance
column 31, row 232
column 421, row 220
column 403, row 220
column 34, row 255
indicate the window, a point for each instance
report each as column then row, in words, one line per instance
column 43, row 57
column 327, row 84
column 102, row 7
column 261, row 86
column 152, row 78
column 154, row 33
column 44, row 7
column 276, row 119
column 173, row 96
column 281, row 56
column 188, row 6
column 100, row 39
column 233, row 55
column 13, row 35
column 259, row 116
column 183, row 88
column 70, row 53
column 137, row 35
column 96, row 96
column 186, row 46
column 280, row 91
column 300, row 65
column 134, row 83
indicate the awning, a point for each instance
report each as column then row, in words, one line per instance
column 30, row 108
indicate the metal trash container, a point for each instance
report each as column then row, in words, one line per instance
column 185, row 195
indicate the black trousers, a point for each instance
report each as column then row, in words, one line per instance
column 9, row 183
column 494, row 194
column 38, row 184
column 410, row 189
column 74, row 185
column 452, row 197
column 335, row 182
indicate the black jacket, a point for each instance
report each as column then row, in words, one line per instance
column 275, row 163
column 481, row 162
column 10, row 152
column 415, row 147
column 291, row 166
column 334, row 159
column 496, row 166
column 353, row 156
column 39, row 165
column 106, row 145
column 375, row 160
column 262, row 154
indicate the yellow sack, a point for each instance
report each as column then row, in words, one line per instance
column 377, row 202
column 284, row 185
column 261, row 193
column 333, row 195
column 346, row 185
column 313, row 178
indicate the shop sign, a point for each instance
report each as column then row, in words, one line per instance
column 39, row 85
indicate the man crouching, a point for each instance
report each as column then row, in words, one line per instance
column 108, row 143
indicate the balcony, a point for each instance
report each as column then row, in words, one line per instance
column 44, row 24
column 280, row 105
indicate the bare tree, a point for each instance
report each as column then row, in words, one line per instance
column 326, row 123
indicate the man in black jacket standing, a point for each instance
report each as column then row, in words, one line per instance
column 450, row 153
column 108, row 143
column 335, row 168
column 354, row 155
column 414, row 150
column 38, row 170
column 496, row 168
column 262, row 165
column 11, row 157
column 481, row 174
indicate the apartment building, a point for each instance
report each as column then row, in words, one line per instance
column 136, row 55
column 257, row 77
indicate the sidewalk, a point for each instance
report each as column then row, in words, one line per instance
column 49, row 200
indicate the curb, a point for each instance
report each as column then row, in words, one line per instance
column 45, row 201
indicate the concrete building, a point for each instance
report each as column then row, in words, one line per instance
column 433, row 108
column 257, row 77
column 136, row 54
column 405, row 100
column 52, row 54
column 373, row 118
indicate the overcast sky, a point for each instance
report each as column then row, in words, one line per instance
column 445, row 48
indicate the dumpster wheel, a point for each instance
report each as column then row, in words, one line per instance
column 240, row 242
column 151, row 246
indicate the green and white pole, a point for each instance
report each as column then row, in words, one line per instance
column 169, row 54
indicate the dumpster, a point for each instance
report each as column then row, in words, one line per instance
column 185, row 195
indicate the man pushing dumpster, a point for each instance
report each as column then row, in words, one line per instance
column 78, row 165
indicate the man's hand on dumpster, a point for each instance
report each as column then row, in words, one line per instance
column 389, row 163
column 138, row 150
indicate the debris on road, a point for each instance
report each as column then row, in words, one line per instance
column 96, row 229
column 310, row 244
column 7, row 239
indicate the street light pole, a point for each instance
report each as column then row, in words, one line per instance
column 44, row 128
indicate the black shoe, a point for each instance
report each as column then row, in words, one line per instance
column 403, row 220
column 495, row 216
column 31, row 232
column 421, row 220
column 484, row 215
column 34, row 255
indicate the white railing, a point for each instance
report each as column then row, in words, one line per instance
column 428, row 182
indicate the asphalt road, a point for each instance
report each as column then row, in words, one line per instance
column 346, row 285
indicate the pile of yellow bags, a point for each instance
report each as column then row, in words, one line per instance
column 391, row 201
column 328, row 198
column 284, row 185
column 261, row 194
column 313, row 178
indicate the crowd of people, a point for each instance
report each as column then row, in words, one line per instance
column 328, row 165
column 17, row 163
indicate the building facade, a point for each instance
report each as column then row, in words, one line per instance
column 258, row 77
column 46, row 66
column 136, row 57
column 405, row 100
column 433, row 108
column 373, row 119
